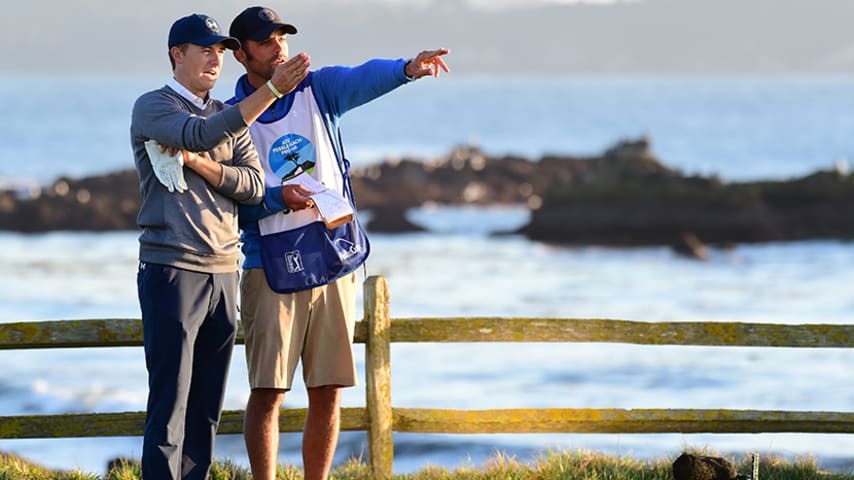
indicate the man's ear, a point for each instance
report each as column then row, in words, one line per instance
column 177, row 54
column 240, row 56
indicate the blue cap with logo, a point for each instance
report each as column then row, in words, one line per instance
column 200, row 30
column 258, row 23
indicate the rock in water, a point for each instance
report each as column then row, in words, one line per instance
column 696, row 467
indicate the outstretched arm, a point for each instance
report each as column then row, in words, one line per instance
column 344, row 88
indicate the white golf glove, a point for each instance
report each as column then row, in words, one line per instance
column 169, row 169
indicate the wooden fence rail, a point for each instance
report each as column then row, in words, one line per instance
column 378, row 330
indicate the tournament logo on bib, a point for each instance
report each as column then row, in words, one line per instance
column 291, row 155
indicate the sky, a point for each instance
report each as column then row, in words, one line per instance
column 493, row 37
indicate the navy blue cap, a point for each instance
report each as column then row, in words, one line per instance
column 258, row 23
column 201, row 30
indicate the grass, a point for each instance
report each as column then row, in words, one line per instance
column 552, row 465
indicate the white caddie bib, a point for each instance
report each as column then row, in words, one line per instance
column 304, row 147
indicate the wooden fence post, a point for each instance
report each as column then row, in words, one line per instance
column 378, row 376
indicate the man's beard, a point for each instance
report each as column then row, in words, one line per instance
column 262, row 69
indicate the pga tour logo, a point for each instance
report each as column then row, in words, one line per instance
column 293, row 261
column 345, row 250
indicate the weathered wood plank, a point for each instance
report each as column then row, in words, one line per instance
column 497, row 329
column 71, row 333
column 378, row 378
column 423, row 420
column 128, row 332
column 124, row 332
column 131, row 424
column 73, row 425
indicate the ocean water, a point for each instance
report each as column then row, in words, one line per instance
column 735, row 127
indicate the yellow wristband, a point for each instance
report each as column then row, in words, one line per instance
column 275, row 90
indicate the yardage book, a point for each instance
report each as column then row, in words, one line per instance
column 332, row 206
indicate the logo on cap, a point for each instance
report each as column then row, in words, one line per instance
column 212, row 25
column 266, row 14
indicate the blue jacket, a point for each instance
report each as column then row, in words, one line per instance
column 337, row 90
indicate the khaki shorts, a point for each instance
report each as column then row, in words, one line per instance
column 314, row 325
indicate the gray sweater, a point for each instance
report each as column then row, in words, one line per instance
column 195, row 230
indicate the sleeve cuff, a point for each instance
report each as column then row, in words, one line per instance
column 273, row 201
column 408, row 78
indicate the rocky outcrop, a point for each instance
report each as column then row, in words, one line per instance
column 464, row 176
column 388, row 189
column 623, row 197
column 104, row 202
column 391, row 220
column 628, row 198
